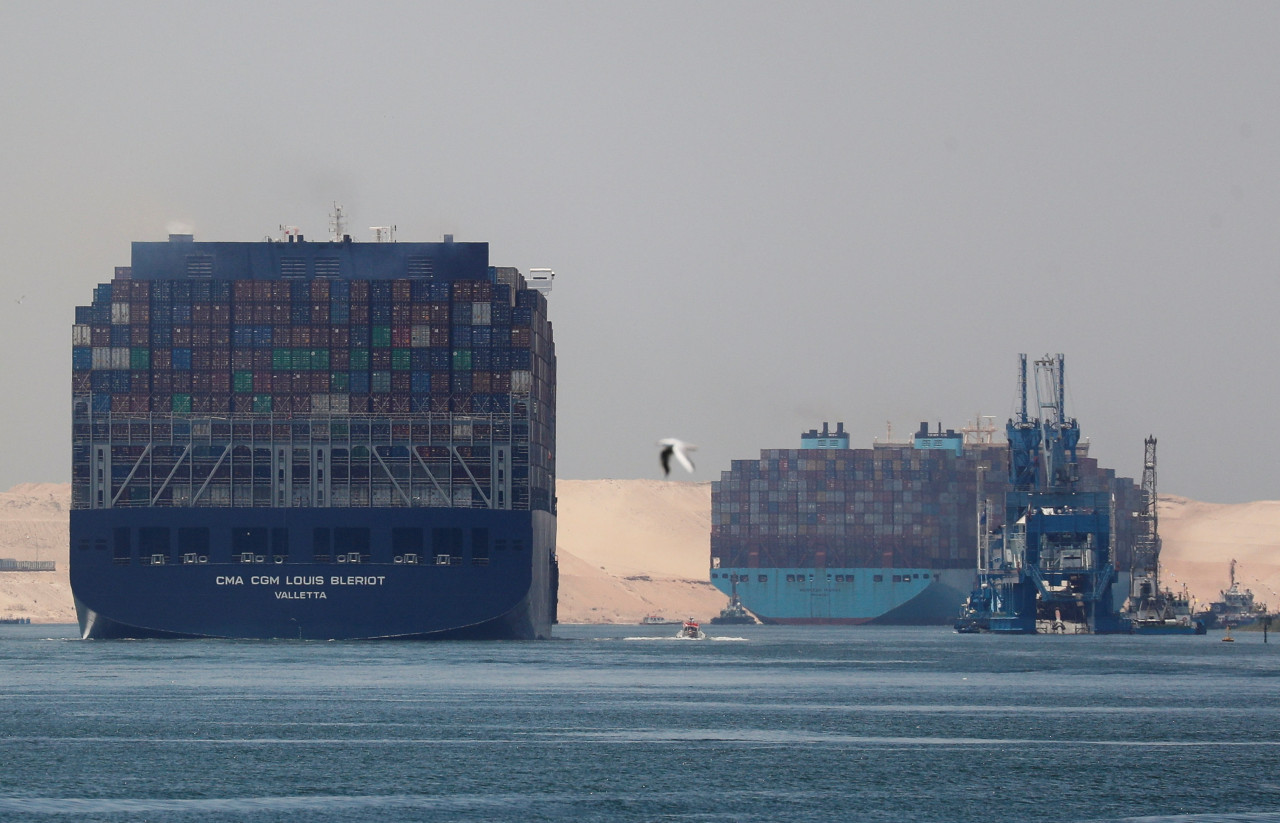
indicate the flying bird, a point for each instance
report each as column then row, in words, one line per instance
column 671, row 446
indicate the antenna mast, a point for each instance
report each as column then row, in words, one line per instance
column 337, row 223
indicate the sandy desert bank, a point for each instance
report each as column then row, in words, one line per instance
column 629, row 548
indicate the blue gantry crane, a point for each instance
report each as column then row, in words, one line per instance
column 1054, row 567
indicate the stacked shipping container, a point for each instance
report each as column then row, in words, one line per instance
column 300, row 389
column 891, row 506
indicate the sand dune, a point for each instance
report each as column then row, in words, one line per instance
column 33, row 526
column 629, row 548
column 1201, row 539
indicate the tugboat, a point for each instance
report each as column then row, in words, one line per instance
column 975, row 612
column 1236, row 608
column 735, row 613
column 691, row 631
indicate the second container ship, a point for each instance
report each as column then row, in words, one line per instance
column 293, row 439
column 888, row 534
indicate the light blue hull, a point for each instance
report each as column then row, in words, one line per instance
column 847, row 595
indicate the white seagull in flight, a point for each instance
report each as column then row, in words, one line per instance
column 671, row 446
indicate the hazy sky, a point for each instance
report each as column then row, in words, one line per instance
column 761, row 215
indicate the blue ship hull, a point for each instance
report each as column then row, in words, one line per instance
column 509, row 592
column 848, row 596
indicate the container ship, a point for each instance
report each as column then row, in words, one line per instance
column 317, row 440
column 886, row 535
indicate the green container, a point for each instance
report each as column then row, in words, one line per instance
column 320, row 359
column 242, row 382
column 301, row 359
column 359, row 360
column 262, row 404
column 382, row 335
column 281, row 359
column 339, row 382
column 400, row 359
column 462, row 359
column 140, row 359
column 182, row 404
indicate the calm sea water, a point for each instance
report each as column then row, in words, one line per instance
column 631, row 724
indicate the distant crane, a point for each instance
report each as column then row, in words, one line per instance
column 1145, row 600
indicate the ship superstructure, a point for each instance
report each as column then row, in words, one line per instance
column 318, row 440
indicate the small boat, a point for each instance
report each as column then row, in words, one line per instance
column 654, row 620
column 691, row 631
column 735, row 613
